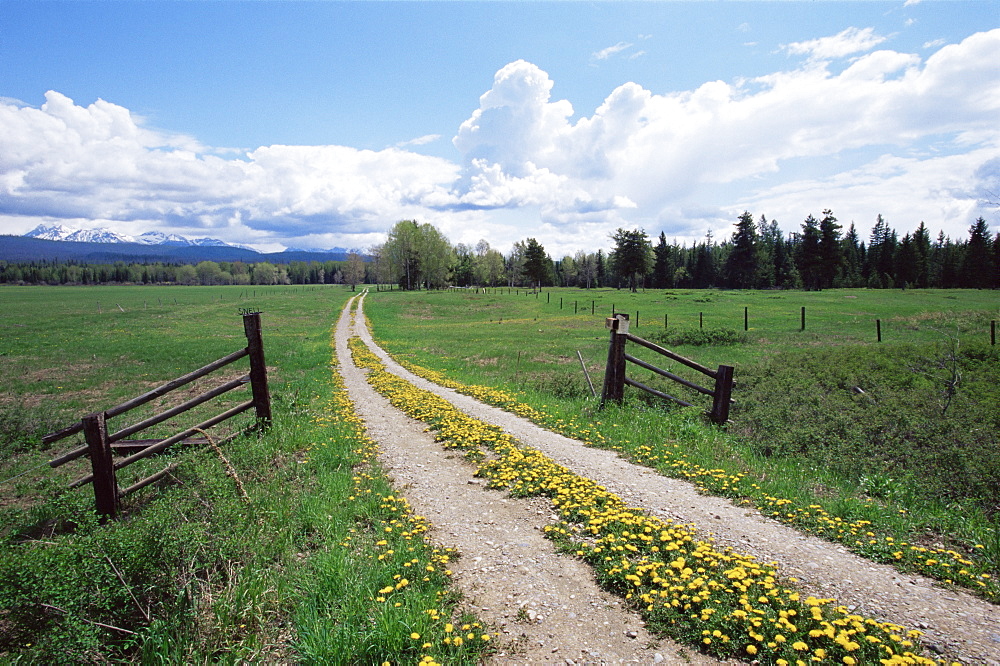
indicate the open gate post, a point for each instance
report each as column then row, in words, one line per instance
column 615, row 378
column 100, row 445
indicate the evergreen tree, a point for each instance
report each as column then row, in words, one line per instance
column 853, row 262
column 977, row 267
column 906, row 262
column 537, row 265
column 996, row 261
column 880, row 262
column 830, row 251
column 741, row 264
column 663, row 267
column 631, row 256
column 808, row 259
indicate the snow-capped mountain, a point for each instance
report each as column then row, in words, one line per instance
column 63, row 233
column 59, row 232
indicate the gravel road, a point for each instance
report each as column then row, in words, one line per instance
column 548, row 605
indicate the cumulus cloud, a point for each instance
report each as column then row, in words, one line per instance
column 99, row 162
column 894, row 133
column 652, row 150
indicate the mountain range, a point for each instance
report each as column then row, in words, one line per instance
column 59, row 232
column 60, row 243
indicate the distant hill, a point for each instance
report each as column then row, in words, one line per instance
column 26, row 248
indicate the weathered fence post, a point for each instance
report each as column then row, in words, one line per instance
column 746, row 318
column 258, row 369
column 803, row 327
column 722, row 394
column 614, row 374
column 95, row 430
column 878, row 329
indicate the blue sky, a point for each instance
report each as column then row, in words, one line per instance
column 321, row 124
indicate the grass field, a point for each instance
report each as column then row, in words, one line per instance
column 194, row 572
column 900, row 459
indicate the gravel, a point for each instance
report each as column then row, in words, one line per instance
column 549, row 607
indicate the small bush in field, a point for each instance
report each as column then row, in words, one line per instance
column 699, row 337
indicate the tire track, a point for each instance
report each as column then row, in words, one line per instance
column 956, row 624
column 547, row 605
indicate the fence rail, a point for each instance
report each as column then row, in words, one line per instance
column 101, row 446
column 615, row 378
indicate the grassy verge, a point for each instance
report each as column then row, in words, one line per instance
column 321, row 562
column 719, row 601
column 957, row 544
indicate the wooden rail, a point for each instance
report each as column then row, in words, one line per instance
column 615, row 379
column 101, row 446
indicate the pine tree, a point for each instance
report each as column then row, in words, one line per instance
column 830, row 252
column 977, row 267
column 663, row 267
column 809, row 260
column 741, row 265
column 631, row 256
column 537, row 265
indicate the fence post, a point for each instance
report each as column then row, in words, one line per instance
column 803, row 327
column 878, row 329
column 722, row 394
column 95, row 430
column 258, row 369
column 614, row 373
column 746, row 318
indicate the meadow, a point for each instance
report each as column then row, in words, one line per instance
column 313, row 564
column 310, row 565
column 888, row 447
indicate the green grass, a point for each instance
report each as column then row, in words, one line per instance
column 193, row 572
column 784, row 444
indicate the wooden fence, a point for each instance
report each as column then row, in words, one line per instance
column 101, row 446
column 615, row 378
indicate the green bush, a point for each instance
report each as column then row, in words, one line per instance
column 699, row 337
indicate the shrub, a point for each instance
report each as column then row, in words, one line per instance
column 698, row 337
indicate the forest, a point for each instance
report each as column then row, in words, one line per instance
column 758, row 255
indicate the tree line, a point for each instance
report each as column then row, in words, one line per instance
column 351, row 271
column 758, row 255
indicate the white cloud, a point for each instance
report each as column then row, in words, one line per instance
column 906, row 190
column 606, row 53
column 845, row 43
column 99, row 162
column 891, row 133
column 655, row 150
column 419, row 141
